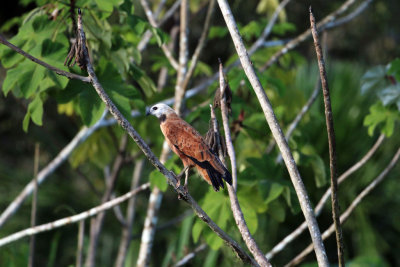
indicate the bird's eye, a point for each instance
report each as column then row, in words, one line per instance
column 154, row 108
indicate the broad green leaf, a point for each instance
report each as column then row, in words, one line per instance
column 137, row 24
column 270, row 190
column 378, row 115
column 157, row 179
column 11, row 80
column 35, row 112
column 390, row 94
column 197, row 229
column 373, row 79
column 394, row 69
column 91, row 107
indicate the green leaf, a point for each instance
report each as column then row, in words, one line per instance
column 217, row 32
column 35, row 112
column 390, row 94
column 270, row 190
column 283, row 28
column 90, row 106
column 160, row 36
column 381, row 115
column 373, row 79
column 157, row 179
column 196, row 230
column 394, row 69
column 137, row 24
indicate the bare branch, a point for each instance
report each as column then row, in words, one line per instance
column 71, row 219
column 153, row 23
column 130, row 217
column 183, row 55
column 331, row 141
column 235, row 206
column 44, row 64
column 200, row 44
column 171, row 178
column 185, row 260
column 147, row 35
column 50, row 168
column 110, row 183
column 322, row 25
column 292, row 236
column 34, row 206
column 350, row 209
column 79, row 250
column 277, row 133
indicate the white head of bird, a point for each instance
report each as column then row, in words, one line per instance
column 160, row 110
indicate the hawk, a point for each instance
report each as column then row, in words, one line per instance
column 191, row 148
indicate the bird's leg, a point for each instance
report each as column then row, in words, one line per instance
column 179, row 176
column 186, row 179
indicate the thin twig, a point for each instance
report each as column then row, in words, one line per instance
column 171, row 178
column 34, row 206
column 130, row 217
column 79, row 250
column 277, row 133
column 110, row 183
column 147, row 35
column 44, row 64
column 183, row 55
column 350, row 209
column 71, row 219
column 49, row 169
column 153, row 23
column 292, row 236
column 185, row 260
column 235, row 206
column 331, row 141
column 306, row 34
column 200, row 44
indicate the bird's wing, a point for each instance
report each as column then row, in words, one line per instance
column 187, row 140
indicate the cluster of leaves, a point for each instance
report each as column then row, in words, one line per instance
column 385, row 82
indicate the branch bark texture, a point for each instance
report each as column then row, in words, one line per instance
column 277, row 133
column 331, row 141
column 235, row 206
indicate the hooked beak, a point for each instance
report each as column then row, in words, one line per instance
column 147, row 111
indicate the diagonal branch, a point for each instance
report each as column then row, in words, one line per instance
column 71, row 219
column 292, row 236
column 350, row 209
column 130, row 217
column 323, row 24
column 200, row 44
column 331, row 141
column 153, row 23
column 235, row 206
column 277, row 133
column 42, row 63
column 171, row 178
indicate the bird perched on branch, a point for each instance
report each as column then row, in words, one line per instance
column 190, row 146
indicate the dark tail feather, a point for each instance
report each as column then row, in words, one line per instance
column 215, row 176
